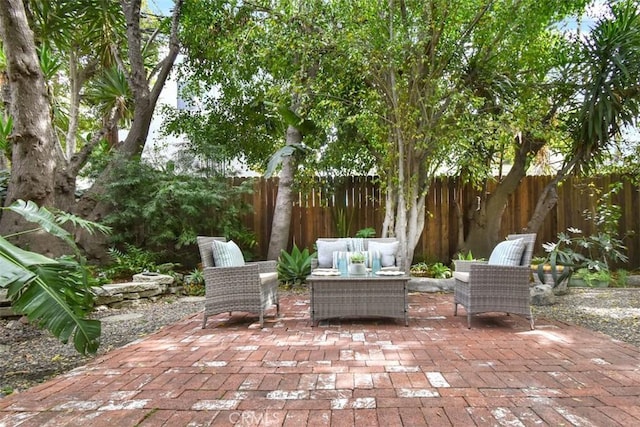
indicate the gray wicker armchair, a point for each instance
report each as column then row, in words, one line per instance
column 496, row 288
column 252, row 287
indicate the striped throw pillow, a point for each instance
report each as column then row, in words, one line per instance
column 368, row 257
column 508, row 252
column 226, row 254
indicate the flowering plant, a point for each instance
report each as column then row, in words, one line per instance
column 574, row 251
column 589, row 254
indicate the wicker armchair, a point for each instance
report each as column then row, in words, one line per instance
column 496, row 288
column 252, row 287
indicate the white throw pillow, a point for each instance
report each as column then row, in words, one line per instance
column 387, row 250
column 508, row 252
column 226, row 254
column 326, row 249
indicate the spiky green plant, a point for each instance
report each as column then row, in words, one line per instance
column 294, row 268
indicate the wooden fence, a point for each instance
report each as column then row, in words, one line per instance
column 359, row 201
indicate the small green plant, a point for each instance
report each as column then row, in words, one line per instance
column 436, row 270
column 194, row 283
column 619, row 279
column 592, row 278
column 462, row 256
column 294, row 268
column 357, row 258
column 342, row 219
column 366, row 232
column 6, row 391
column 440, row 271
column 131, row 261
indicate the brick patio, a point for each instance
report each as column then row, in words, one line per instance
column 347, row 372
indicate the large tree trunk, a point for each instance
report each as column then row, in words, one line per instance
column 284, row 200
column 91, row 205
column 548, row 199
column 33, row 159
column 485, row 224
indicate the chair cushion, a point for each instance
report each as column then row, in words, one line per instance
column 387, row 251
column 226, row 254
column 326, row 250
column 508, row 252
column 462, row 276
column 268, row 277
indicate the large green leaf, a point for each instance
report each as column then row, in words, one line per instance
column 22, row 257
column 50, row 292
column 41, row 216
column 51, row 299
column 10, row 272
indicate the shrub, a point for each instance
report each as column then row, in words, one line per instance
column 194, row 283
column 130, row 261
column 294, row 268
column 162, row 211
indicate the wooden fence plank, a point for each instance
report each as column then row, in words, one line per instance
column 314, row 211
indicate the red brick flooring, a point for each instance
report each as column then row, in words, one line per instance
column 347, row 372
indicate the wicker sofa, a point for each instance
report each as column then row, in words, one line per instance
column 330, row 244
column 252, row 287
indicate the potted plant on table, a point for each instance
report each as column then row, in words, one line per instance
column 357, row 266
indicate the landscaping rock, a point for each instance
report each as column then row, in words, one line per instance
column 428, row 284
column 162, row 279
column 115, row 294
column 633, row 281
column 542, row 295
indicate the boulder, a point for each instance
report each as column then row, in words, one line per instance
column 162, row 279
column 542, row 295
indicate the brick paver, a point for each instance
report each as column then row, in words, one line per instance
column 347, row 372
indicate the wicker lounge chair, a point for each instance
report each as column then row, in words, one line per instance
column 496, row 288
column 252, row 287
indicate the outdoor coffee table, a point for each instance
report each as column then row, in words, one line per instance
column 368, row 295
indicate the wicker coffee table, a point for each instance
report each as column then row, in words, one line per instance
column 358, row 296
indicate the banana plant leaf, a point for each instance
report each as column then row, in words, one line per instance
column 51, row 293
column 41, row 216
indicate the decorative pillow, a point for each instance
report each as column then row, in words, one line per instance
column 368, row 257
column 326, row 250
column 508, row 252
column 387, row 251
column 226, row 254
column 356, row 244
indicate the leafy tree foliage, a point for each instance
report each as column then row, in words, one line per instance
column 163, row 211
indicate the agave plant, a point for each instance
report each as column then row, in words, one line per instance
column 294, row 268
column 51, row 292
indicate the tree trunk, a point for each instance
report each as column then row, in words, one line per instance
column 485, row 225
column 91, row 205
column 546, row 201
column 33, row 159
column 281, row 224
column 549, row 197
